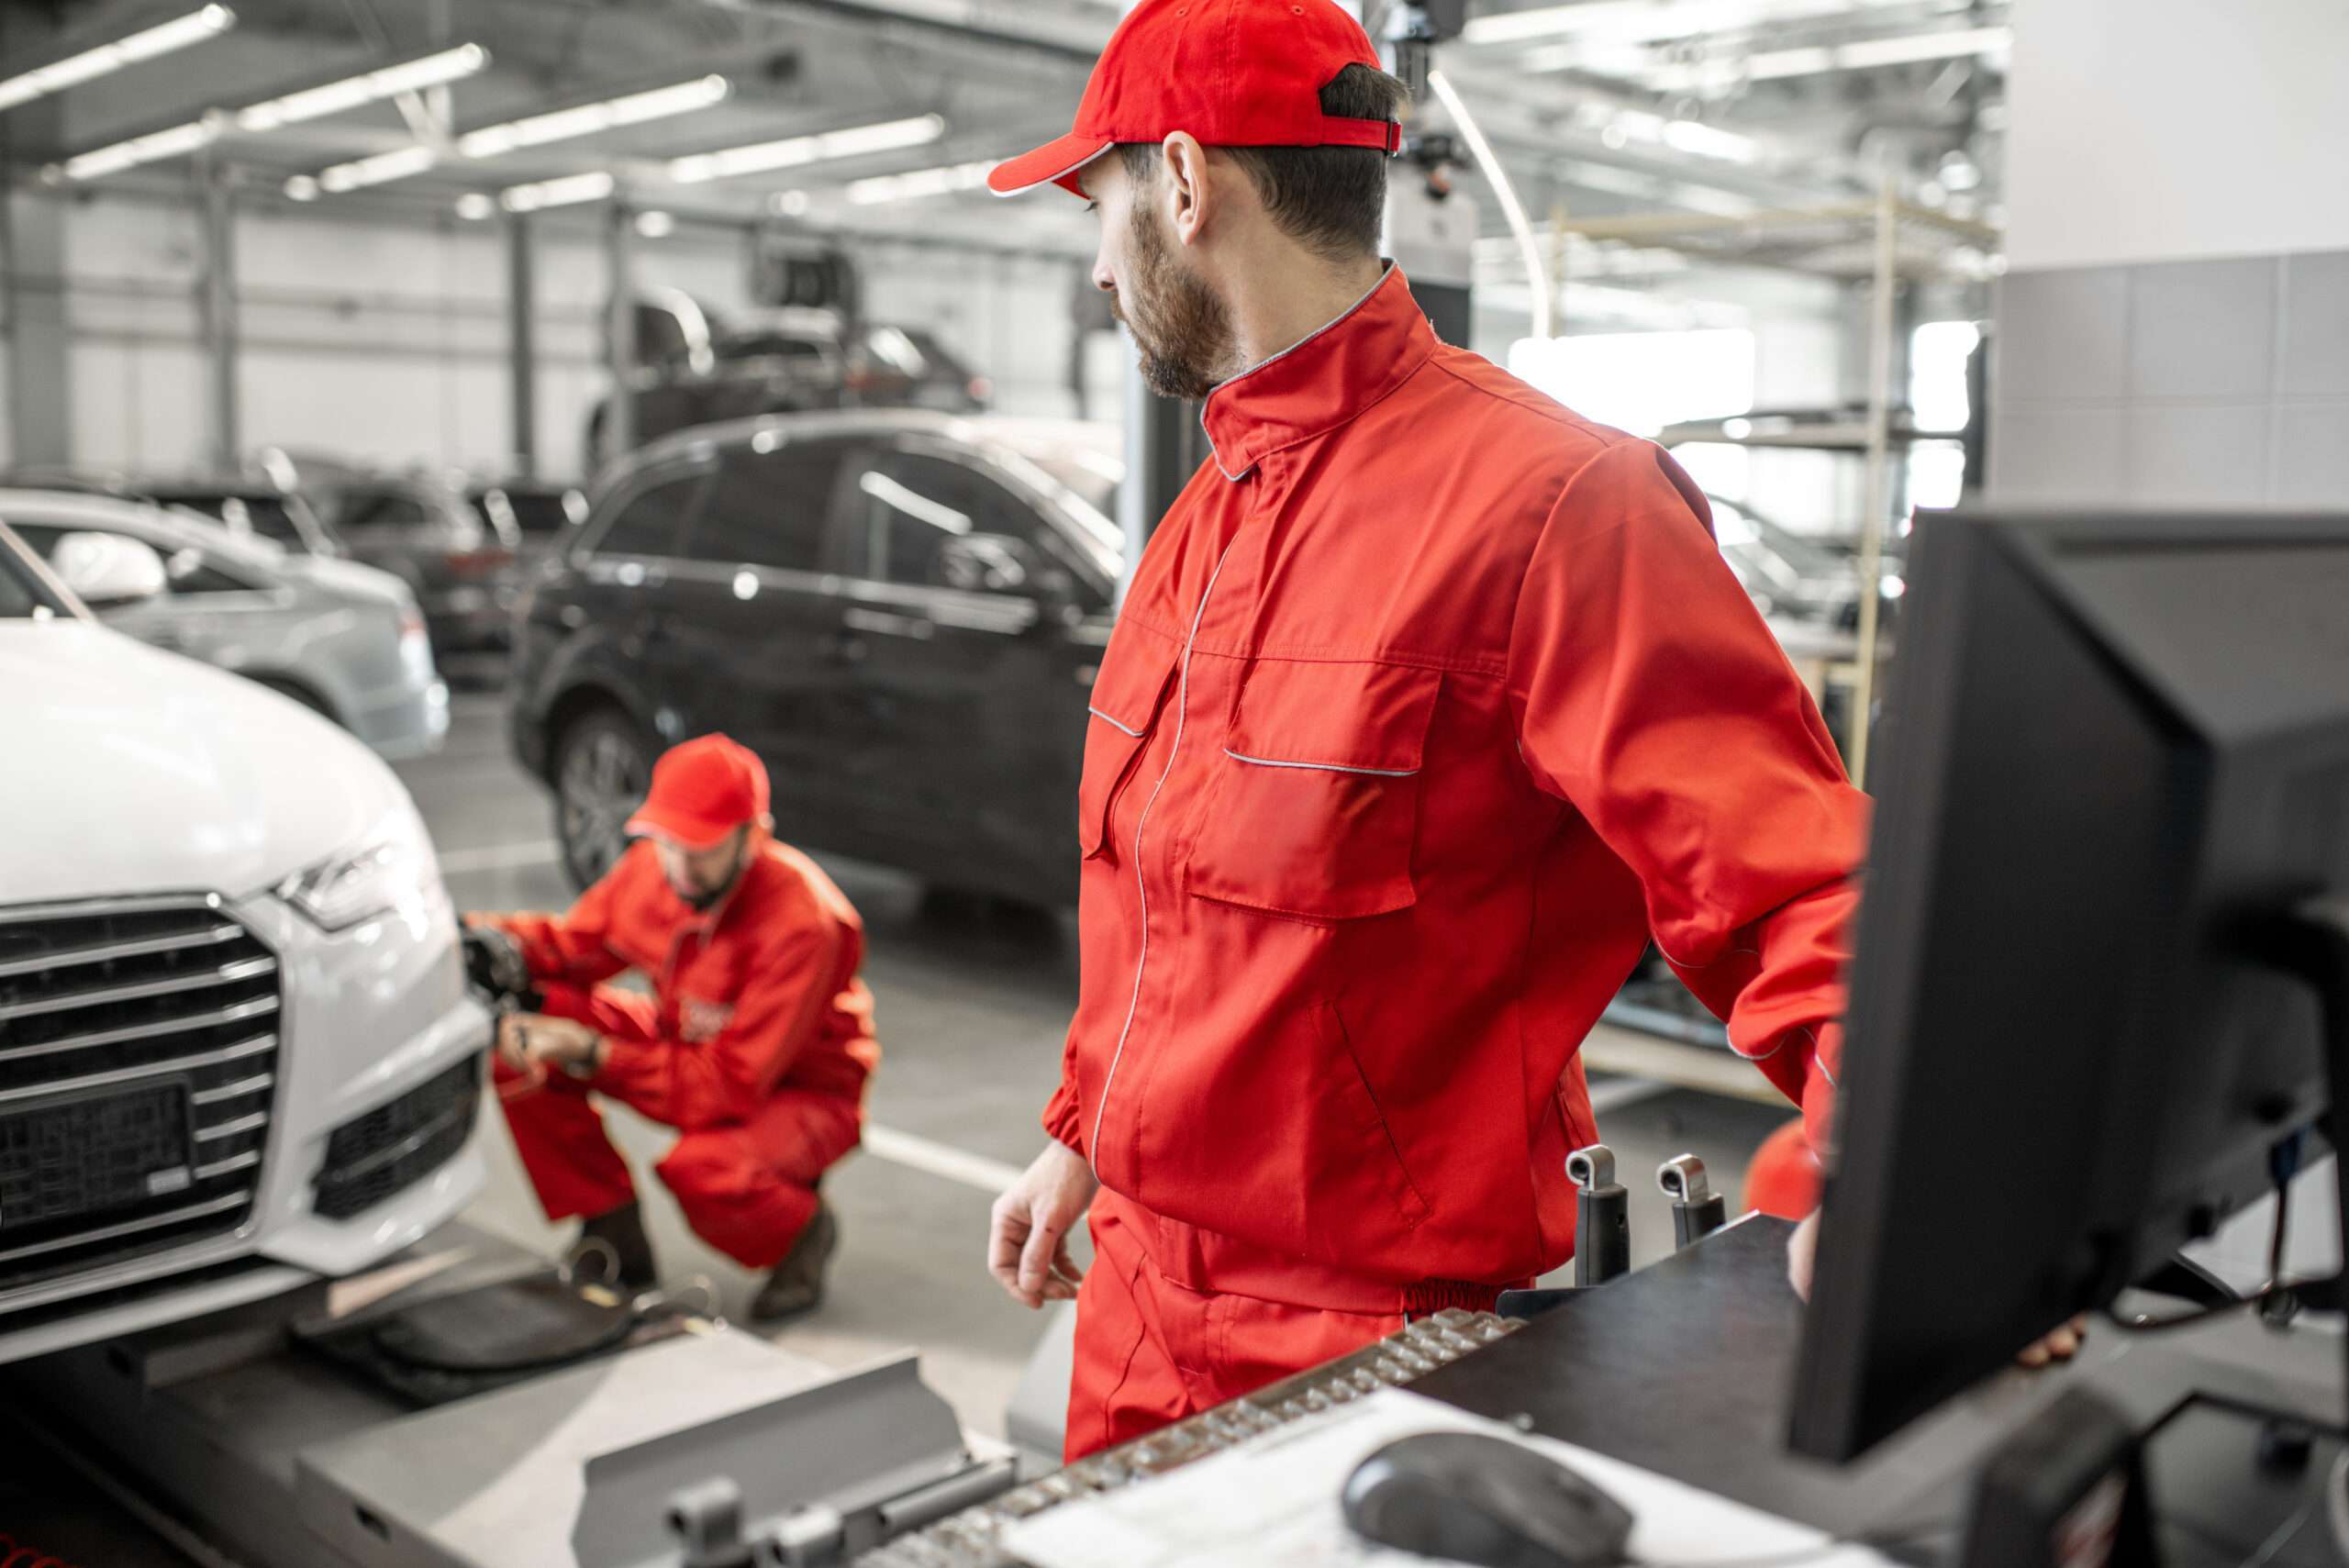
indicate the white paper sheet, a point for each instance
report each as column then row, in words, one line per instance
column 1273, row 1500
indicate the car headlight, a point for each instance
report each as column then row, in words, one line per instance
column 393, row 876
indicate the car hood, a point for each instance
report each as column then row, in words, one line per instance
column 136, row 771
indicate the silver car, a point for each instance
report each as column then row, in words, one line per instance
column 341, row 639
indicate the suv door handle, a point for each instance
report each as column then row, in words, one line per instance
column 881, row 622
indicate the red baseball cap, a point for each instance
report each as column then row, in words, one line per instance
column 701, row 789
column 1233, row 72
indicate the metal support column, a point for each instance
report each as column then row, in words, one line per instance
column 217, row 307
column 1165, row 446
column 1877, row 504
column 41, row 338
column 619, row 331
column 521, row 341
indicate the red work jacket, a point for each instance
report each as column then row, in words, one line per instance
column 1429, row 703
column 758, row 994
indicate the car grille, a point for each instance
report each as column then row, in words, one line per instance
column 397, row 1144
column 138, row 1069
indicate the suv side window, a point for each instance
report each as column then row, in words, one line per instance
column 923, row 522
column 652, row 521
column 768, row 508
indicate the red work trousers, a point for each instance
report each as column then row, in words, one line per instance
column 1151, row 1351
column 748, row 1189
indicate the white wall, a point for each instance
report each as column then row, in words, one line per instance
column 2163, row 130
column 387, row 342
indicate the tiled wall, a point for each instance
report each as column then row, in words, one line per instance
column 2174, row 383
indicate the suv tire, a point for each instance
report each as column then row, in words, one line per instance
column 602, row 763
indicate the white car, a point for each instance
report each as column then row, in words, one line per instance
column 342, row 639
column 237, row 1047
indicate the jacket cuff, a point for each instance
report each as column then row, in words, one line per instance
column 623, row 1067
column 1062, row 1119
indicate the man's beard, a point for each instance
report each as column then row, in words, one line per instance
column 1177, row 321
column 701, row 901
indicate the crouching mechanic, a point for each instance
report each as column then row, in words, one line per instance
column 756, row 1042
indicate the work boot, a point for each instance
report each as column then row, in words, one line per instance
column 797, row 1284
column 631, row 1267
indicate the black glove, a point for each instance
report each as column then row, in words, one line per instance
column 495, row 966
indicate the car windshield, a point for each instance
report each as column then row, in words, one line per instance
column 1088, row 477
column 1093, row 476
column 258, row 513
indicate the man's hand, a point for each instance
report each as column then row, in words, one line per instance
column 1802, row 1252
column 528, row 1040
column 1028, row 1237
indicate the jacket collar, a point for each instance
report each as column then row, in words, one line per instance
column 1320, row 382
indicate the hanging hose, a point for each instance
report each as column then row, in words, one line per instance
column 1511, row 208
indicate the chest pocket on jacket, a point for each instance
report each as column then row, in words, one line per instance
column 1315, row 807
column 1128, row 695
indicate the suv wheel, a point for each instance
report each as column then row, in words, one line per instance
column 602, row 765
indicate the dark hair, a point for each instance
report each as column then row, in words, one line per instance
column 1332, row 200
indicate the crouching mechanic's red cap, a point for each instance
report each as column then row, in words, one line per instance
column 1233, row 72
column 701, row 789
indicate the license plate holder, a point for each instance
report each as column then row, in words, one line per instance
column 83, row 1156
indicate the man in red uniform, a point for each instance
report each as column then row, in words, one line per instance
column 755, row 1043
column 1430, row 702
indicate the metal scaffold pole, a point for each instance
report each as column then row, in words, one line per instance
column 1877, row 504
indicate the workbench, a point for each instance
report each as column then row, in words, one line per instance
column 1683, row 1369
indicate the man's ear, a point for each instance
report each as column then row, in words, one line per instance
column 1187, row 191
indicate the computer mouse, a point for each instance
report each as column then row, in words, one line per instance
column 1474, row 1498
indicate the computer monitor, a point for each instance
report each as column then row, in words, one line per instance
column 2117, row 748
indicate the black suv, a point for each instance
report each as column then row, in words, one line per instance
column 900, row 611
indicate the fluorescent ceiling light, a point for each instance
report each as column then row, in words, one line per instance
column 367, row 87
column 588, row 118
column 476, row 205
column 1626, row 126
column 1922, row 46
column 376, row 171
column 1639, row 21
column 655, row 225
column 176, row 142
column 792, row 152
column 146, row 44
column 566, row 191
column 1777, row 64
column 919, row 183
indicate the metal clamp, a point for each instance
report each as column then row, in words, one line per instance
column 1602, row 1218
column 1697, row 1210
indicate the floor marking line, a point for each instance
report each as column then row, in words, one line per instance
column 990, row 1177
column 499, row 857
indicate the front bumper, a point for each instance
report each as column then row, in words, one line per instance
column 367, row 1016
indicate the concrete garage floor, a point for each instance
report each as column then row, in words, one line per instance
column 972, row 1009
